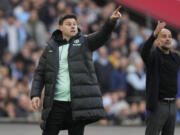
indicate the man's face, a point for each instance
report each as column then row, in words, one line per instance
column 11, row 20
column 69, row 28
column 164, row 39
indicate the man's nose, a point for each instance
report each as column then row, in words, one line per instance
column 167, row 39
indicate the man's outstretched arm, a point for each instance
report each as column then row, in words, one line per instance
column 97, row 39
column 146, row 49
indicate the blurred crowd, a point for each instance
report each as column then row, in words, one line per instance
column 26, row 26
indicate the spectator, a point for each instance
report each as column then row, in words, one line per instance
column 103, row 69
column 36, row 29
column 22, row 11
column 47, row 13
column 23, row 107
column 17, row 69
column 8, row 82
column 16, row 35
column 114, row 58
column 36, row 53
column 3, row 36
column 137, row 80
column 4, row 72
column 10, row 109
column 2, row 109
column 3, row 97
column 132, row 27
column 3, row 93
column 118, row 85
column 133, row 52
column 118, row 76
column 6, row 59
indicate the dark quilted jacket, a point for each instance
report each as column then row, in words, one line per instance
column 86, row 100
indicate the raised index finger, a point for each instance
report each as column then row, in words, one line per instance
column 117, row 9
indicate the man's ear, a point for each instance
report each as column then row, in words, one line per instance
column 157, row 41
column 60, row 27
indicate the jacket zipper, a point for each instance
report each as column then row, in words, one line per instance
column 56, row 73
column 70, row 75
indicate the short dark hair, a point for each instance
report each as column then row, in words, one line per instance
column 68, row 16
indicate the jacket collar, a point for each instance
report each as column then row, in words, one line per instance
column 58, row 39
column 161, row 52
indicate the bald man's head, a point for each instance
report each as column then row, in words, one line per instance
column 164, row 31
column 164, row 39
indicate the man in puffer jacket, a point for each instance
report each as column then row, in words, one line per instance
column 72, row 97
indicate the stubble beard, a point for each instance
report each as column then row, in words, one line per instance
column 165, row 48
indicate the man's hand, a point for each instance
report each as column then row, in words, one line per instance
column 116, row 14
column 178, row 103
column 159, row 27
column 35, row 103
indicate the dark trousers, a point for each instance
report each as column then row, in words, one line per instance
column 60, row 118
column 162, row 120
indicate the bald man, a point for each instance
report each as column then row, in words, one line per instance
column 161, row 82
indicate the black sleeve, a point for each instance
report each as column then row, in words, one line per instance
column 97, row 39
column 39, row 76
column 146, row 49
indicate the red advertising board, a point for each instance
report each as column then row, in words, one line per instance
column 164, row 10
